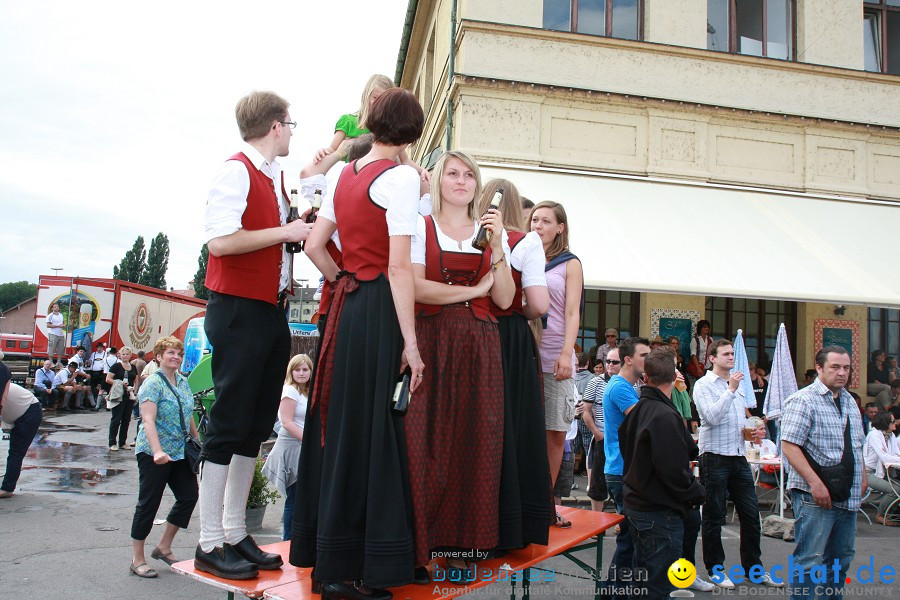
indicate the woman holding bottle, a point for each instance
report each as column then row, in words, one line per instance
column 456, row 417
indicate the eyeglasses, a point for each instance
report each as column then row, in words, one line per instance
column 613, row 362
column 611, row 335
column 291, row 124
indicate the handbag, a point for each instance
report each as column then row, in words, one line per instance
column 192, row 446
column 696, row 369
column 838, row 479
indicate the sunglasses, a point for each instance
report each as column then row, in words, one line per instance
column 612, row 335
column 613, row 362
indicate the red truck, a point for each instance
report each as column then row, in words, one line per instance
column 115, row 312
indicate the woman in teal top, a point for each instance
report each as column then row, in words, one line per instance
column 160, row 455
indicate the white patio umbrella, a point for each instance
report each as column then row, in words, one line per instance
column 782, row 384
column 745, row 389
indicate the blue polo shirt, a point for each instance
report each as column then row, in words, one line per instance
column 618, row 397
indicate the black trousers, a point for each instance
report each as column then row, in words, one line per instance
column 251, row 348
column 119, row 422
column 152, row 481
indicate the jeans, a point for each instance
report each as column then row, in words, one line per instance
column 623, row 558
column 289, row 511
column 721, row 474
column 691, row 532
column 46, row 397
column 822, row 536
column 658, row 539
column 20, row 439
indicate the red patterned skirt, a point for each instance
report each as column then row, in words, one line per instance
column 454, row 433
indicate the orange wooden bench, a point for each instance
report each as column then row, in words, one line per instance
column 293, row 583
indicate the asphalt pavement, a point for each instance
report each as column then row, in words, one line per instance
column 65, row 532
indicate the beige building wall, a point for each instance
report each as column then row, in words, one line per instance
column 675, row 22
column 674, row 301
column 830, row 32
column 805, row 353
column 20, row 319
column 528, row 13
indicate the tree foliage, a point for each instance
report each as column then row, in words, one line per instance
column 133, row 264
column 200, row 290
column 154, row 273
column 14, row 292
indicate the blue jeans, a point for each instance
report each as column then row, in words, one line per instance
column 658, row 539
column 20, row 439
column 289, row 511
column 623, row 558
column 691, row 533
column 822, row 536
column 730, row 475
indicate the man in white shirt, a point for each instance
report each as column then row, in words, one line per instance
column 56, row 335
column 249, row 277
column 724, row 470
column 96, row 372
column 67, row 382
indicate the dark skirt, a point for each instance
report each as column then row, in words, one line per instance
column 353, row 519
column 454, row 430
column 526, row 504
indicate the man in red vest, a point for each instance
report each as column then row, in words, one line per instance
column 249, row 277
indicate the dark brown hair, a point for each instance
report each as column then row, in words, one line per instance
column 397, row 118
column 659, row 367
column 360, row 147
column 822, row 354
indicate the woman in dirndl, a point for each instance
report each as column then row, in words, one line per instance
column 455, row 419
column 352, row 522
column 525, row 507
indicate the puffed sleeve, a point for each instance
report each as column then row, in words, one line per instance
column 397, row 189
column 533, row 261
column 417, row 247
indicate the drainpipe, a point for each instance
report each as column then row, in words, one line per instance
column 450, row 68
column 404, row 39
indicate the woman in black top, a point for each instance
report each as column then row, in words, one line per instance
column 122, row 401
column 879, row 378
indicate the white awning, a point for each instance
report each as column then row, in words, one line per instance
column 641, row 234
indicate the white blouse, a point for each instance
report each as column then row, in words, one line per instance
column 528, row 258
column 447, row 243
column 879, row 450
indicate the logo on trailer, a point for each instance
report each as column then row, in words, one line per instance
column 139, row 326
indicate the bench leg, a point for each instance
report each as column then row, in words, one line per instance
column 598, row 566
column 512, row 589
column 526, row 584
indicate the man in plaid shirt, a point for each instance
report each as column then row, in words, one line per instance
column 815, row 418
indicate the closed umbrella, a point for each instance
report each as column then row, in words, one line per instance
column 782, row 384
column 745, row 389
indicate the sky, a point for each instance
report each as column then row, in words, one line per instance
column 115, row 116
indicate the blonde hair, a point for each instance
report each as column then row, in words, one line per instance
column 293, row 364
column 128, row 348
column 561, row 242
column 164, row 343
column 375, row 81
column 510, row 206
column 439, row 172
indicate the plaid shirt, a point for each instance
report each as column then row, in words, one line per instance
column 811, row 420
column 721, row 416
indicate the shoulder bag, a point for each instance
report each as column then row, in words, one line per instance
column 838, row 479
column 192, row 445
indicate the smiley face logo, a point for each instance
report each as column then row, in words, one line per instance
column 682, row 573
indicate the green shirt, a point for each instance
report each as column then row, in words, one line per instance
column 682, row 402
column 349, row 124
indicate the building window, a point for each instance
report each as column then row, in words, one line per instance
column 602, row 310
column 610, row 18
column 881, row 36
column 884, row 331
column 759, row 320
column 752, row 27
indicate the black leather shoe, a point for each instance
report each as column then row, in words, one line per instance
column 224, row 562
column 421, row 576
column 346, row 591
column 266, row 561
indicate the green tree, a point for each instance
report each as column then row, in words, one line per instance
column 154, row 274
column 133, row 264
column 200, row 290
column 16, row 291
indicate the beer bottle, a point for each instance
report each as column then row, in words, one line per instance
column 293, row 215
column 315, row 205
column 483, row 237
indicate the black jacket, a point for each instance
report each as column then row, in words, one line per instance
column 657, row 450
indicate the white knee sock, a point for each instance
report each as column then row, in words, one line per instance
column 240, row 476
column 212, row 492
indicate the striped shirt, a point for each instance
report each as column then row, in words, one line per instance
column 594, row 393
column 811, row 420
column 721, row 416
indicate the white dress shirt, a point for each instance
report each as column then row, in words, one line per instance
column 721, row 416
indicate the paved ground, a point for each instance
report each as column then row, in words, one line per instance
column 65, row 534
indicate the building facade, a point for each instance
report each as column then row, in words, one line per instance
column 734, row 160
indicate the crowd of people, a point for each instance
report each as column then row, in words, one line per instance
column 466, row 296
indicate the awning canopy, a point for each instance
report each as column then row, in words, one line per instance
column 640, row 234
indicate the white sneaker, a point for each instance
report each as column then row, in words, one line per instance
column 701, row 585
column 766, row 580
column 725, row 584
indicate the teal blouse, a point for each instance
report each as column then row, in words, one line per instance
column 168, row 425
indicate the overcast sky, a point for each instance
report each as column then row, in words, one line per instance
column 114, row 116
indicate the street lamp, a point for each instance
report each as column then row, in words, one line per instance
column 56, row 270
column 1, row 324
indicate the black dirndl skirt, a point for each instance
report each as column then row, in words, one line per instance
column 526, row 505
column 353, row 519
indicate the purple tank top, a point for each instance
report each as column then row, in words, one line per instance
column 554, row 335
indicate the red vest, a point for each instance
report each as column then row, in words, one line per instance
column 516, row 307
column 454, row 268
column 362, row 224
column 255, row 275
column 337, row 257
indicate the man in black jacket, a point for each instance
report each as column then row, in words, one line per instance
column 660, row 487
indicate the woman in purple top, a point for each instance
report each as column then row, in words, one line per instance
column 565, row 283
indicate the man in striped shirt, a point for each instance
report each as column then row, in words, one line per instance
column 593, row 402
column 723, row 466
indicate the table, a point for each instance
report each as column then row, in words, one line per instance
column 761, row 462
